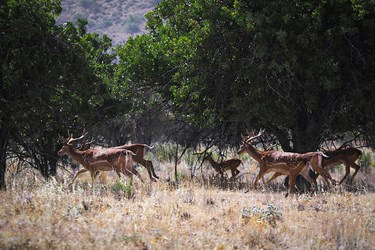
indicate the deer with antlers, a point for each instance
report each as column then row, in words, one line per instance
column 291, row 164
column 346, row 156
column 221, row 167
column 138, row 156
column 95, row 160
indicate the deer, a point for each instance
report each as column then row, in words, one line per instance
column 291, row 164
column 346, row 156
column 221, row 167
column 96, row 160
column 139, row 152
column 138, row 156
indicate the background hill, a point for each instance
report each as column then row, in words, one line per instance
column 118, row 19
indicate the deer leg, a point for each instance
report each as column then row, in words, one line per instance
column 306, row 174
column 347, row 172
column 96, row 173
column 233, row 174
column 274, row 176
column 236, row 172
column 151, row 166
column 138, row 175
column 93, row 174
column 356, row 167
column 327, row 176
column 118, row 174
column 262, row 171
column 129, row 170
column 78, row 173
column 316, row 166
column 292, row 182
column 310, row 180
column 261, row 174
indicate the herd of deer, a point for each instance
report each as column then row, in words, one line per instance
column 120, row 159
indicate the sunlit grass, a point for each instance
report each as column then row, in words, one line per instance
column 118, row 214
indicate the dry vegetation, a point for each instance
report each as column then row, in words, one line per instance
column 196, row 215
column 118, row 19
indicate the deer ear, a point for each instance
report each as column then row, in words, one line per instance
column 63, row 140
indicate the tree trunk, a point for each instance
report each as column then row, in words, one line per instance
column 52, row 162
column 305, row 138
column 175, row 165
column 4, row 139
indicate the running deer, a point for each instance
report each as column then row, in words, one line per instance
column 95, row 160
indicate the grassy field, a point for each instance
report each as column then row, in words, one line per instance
column 194, row 215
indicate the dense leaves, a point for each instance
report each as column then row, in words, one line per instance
column 303, row 72
column 52, row 78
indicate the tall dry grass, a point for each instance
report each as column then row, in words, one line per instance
column 193, row 215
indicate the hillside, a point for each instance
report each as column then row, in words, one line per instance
column 118, row 19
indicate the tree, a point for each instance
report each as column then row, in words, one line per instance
column 51, row 79
column 302, row 72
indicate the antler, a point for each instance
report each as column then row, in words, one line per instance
column 86, row 144
column 261, row 132
column 71, row 139
column 64, row 140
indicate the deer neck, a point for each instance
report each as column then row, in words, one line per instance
column 212, row 162
column 254, row 152
column 76, row 155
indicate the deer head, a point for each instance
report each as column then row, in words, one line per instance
column 68, row 142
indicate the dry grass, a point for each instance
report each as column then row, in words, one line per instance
column 38, row 215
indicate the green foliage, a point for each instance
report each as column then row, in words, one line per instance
column 166, row 152
column 52, row 78
column 191, row 158
column 122, row 189
column 303, row 72
column 366, row 161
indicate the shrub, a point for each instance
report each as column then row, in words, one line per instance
column 270, row 214
column 366, row 161
column 166, row 152
column 120, row 189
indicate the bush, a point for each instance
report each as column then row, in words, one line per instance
column 366, row 161
column 166, row 152
column 120, row 189
column 269, row 215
